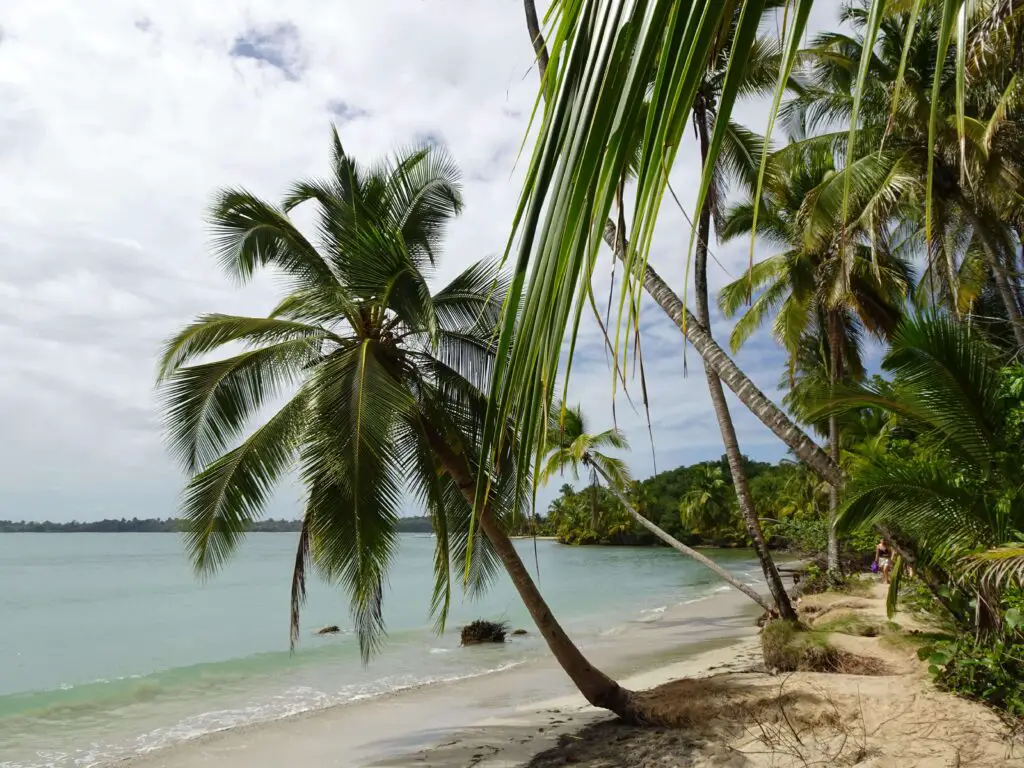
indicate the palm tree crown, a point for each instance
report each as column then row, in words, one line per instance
column 379, row 368
column 571, row 446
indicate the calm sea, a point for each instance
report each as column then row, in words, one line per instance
column 109, row 646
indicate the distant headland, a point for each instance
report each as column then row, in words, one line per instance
column 172, row 525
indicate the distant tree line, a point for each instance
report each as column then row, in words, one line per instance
column 697, row 505
column 171, row 525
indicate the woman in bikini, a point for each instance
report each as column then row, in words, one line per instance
column 884, row 559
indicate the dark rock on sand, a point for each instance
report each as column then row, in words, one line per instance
column 333, row 629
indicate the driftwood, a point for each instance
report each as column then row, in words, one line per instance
column 481, row 631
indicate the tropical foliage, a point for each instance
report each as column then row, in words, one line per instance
column 892, row 213
column 379, row 368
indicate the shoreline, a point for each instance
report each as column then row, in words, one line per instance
column 691, row 638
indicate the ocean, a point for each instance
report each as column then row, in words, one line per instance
column 110, row 647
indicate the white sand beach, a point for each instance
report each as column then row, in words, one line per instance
column 503, row 707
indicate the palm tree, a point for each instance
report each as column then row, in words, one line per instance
column 706, row 507
column 824, row 284
column 971, row 173
column 570, row 446
column 388, row 383
column 742, row 152
column 954, row 499
column 601, row 63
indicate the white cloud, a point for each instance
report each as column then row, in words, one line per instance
column 122, row 117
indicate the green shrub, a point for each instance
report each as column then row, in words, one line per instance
column 990, row 671
column 816, row 579
column 788, row 646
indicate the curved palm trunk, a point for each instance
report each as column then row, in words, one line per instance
column 597, row 688
column 1004, row 285
column 677, row 545
column 725, row 424
column 773, row 417
column 835, row 352
column 1006, row 293
column 715, row 358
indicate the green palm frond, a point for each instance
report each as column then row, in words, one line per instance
column 209, row 332
column 474, row 298
column 428, row 196
column 206, row 406
column 927, row 501
column 223, row 499
column 763, row 273
column 353, row 472
column 249, row 234
column 950, row 376
column 998, row 566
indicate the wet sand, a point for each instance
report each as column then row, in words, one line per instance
column 433, row 725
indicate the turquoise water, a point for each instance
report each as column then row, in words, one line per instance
column 109, row 646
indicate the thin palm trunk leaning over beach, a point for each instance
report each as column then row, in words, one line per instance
column 571, row 447
column 714, row 357
column 703, row 323
column 388, row 383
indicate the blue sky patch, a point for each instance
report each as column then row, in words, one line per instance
column 278, row 46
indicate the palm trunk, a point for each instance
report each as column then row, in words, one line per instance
column 1006, row 292
column 999, row 275
column 597, row 688
column 773, row 417
column 836, row 355
column 833, row 497
column 715, row 358
column 677, row 545
column 540, row 48
column 718, row 401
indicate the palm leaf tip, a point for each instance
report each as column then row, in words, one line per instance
column 298, row 595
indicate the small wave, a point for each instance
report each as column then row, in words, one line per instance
column 441, row 650
column 294, row 701
column 693, row 600
column 653, row 614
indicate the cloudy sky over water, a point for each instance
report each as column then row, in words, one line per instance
column 121, row 117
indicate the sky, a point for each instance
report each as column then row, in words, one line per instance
column 121, row 119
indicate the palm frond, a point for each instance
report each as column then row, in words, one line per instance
column 352, row 467
column 209, row 332
column 249, row 233
column 998, row 566
column 223, row 499
column 206, row 406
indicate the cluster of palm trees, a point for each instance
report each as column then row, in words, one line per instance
column 901, row 185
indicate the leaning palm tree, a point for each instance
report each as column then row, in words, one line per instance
column 386, row 379
column 823, row 282
column 571, row 447
column 741, row 148
column 739, row 156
